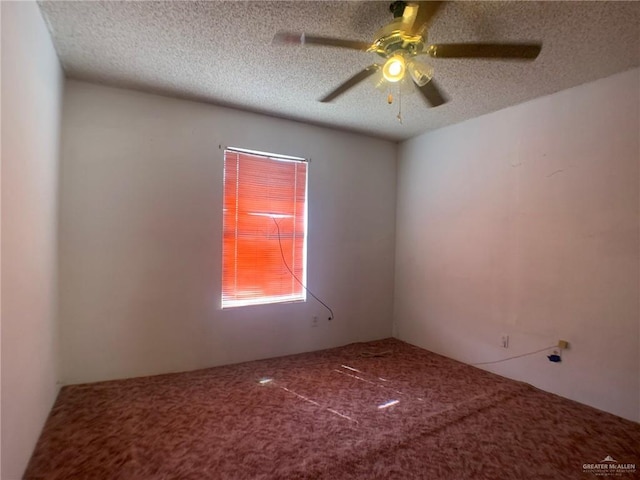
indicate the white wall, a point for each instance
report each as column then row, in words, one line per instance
column 525, row 222
column 31, row 102
column 140, row 236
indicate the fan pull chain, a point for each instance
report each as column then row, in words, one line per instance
column 399, row 117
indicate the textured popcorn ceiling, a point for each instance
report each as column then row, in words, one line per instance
column 221, row 52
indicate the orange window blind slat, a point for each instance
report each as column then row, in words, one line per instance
column 258, row 192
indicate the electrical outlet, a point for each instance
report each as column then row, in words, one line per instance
column 504, row 343
column 314, row 321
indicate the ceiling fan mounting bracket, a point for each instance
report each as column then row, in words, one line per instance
column 397, row 8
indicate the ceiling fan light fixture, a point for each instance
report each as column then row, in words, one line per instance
column 420, row 72
column 394, row 68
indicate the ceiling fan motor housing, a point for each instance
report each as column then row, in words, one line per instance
column 398, row 42
column 396, row 37
column 390, row 41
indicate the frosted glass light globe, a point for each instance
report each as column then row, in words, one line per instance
column 394, row 68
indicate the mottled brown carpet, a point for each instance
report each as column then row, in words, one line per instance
column 378, row 410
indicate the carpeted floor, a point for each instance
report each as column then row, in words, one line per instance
column 378, row 410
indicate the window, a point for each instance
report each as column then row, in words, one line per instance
column 264, row 228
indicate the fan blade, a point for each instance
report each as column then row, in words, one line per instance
column 293, row 38
column 516, row 51
column 352, row 82
column 426, row 12
column 432, row 94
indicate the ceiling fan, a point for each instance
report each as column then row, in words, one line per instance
column 401, row 42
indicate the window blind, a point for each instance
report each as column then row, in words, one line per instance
column 260, row 190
